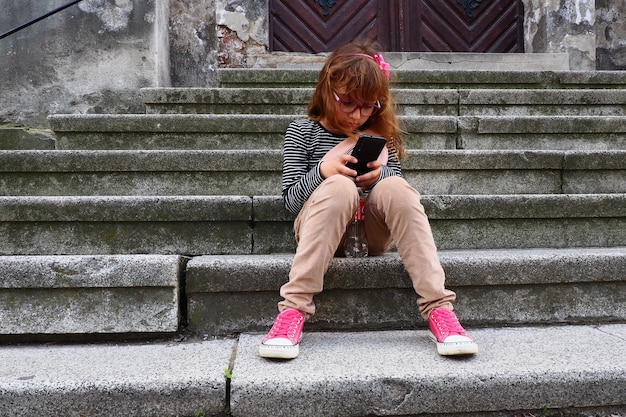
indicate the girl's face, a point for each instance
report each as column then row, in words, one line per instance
column 351, row 120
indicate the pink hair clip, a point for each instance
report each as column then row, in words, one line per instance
column 384, row 66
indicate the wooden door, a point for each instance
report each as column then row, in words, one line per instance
column 470, row 26
column 317, row 26
column 398, row 25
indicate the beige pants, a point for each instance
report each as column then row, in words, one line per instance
column 393, row 214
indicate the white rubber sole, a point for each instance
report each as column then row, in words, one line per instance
column 454, row 348
column 279, row 352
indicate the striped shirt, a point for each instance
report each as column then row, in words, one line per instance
column 306, row 143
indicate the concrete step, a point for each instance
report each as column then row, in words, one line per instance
column 441, row 102
column 228, row 294
column 164, row 379
column 240, row 131
column 578, row 370
column 542, row 102
column 97, row 225
column 147, row 173
column 397, row 373
column 110, row 297
column 214, row 131
column 155, row 131
column 198, row 225
column 280, row 101
column 44, row 297
column 430, row 78
column 485, row 221
column 477, row 61
column 542, row 132
column 258, row 172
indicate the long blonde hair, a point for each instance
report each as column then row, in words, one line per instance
column 354, row 68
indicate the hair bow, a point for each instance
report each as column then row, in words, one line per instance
column 384, row 66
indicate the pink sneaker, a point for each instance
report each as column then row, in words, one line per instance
column 282, row 342
column 450, row 337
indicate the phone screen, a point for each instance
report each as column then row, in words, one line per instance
column 367, row 149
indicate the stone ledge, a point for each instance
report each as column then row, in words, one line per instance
column 444, row 101
column 164, row 379
column 137, row 209
column 258, row 172
column 188, row 225
column 264, row 131
column 198, row 225
column 516, row 206
column 427, row 60
column 517, row 370
column 240, row 273
column 239, row 293
column 398, row 373
column 432, row 78
column 89, row 294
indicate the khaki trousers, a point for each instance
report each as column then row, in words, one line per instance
column 393, row 215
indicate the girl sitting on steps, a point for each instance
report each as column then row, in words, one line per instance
column 352, row 98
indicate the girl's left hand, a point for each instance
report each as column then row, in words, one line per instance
column 368, row 179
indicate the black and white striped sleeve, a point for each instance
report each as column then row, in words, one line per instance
column 301, row 173
column 392, row 168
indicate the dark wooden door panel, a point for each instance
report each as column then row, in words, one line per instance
column 302, row 26
column 398, row 25
column 493, row 26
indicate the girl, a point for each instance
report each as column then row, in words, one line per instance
column 352, row 98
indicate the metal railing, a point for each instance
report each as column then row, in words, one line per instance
column 50, row 13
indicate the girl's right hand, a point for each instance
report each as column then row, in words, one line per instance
column 338, row 166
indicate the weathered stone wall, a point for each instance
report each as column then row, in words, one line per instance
column 207, row 34
column 242, row 29
column 193, row 42
column 562, row 26
column 91, row 57
column 611, row 34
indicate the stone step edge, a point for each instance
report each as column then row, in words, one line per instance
column 360, row 373
column 42, row 297
column 91, row 271
column 237, row 123
column 164, row 96
column 482, row 267
column 141, row 209
column 398, row 373
column 111, row 297
column 271, row 160
column 475, row 267
column 430, row 77
column 535, row 61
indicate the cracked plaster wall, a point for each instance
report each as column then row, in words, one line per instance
column 562, row 26
column 242, row 28
column 611, row 34
column 207, row 34
column 92, row 57
column 193, row 42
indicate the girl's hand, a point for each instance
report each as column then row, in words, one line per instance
column 370, row 178
column 338, row 166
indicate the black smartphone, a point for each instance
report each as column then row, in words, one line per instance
column 367, row 149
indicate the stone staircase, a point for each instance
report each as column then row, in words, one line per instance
column 169, row 225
